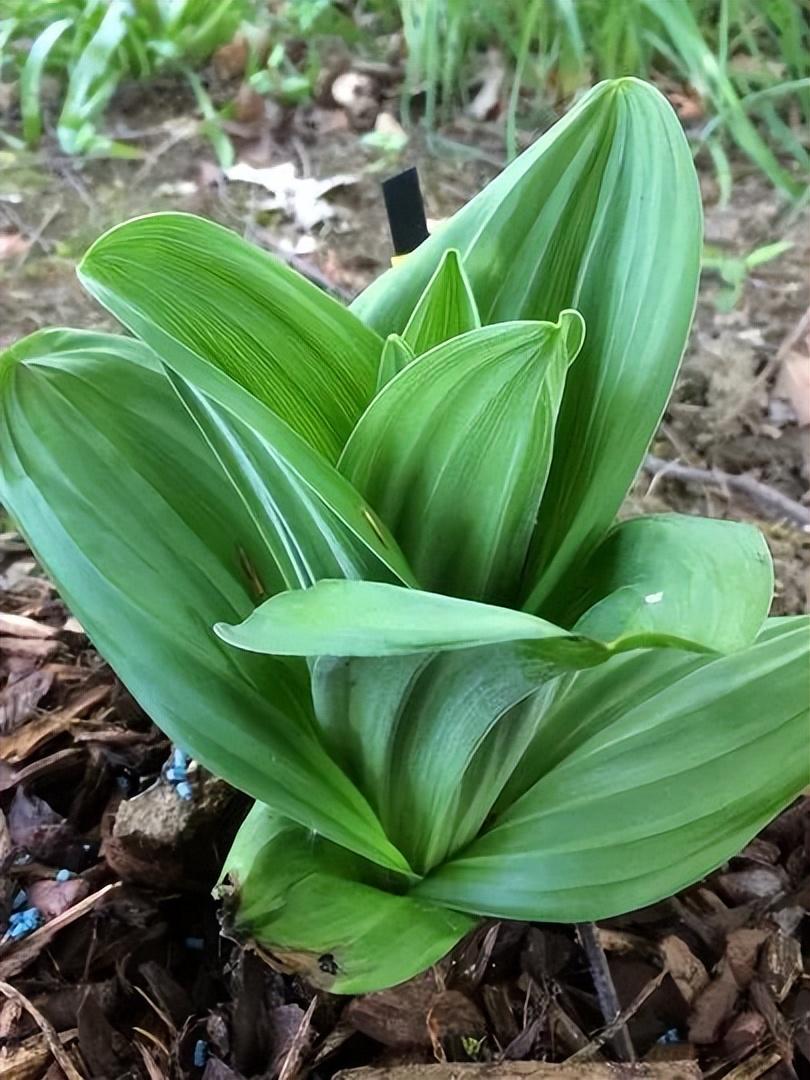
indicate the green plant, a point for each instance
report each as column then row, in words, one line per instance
column 362, row 563
column 744, row 57
column 96, row 44
column 733, row 270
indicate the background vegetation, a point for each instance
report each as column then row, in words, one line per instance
column 740, row 69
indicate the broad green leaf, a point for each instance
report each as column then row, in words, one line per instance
column 602, row 215
column 445, row 309
column 395, row 356
column 364, row 618
column 178, row 277
column 408, row 729
column 313, row 523
column 699, row 579
column 650, row 794
column 367, row 618
column 130, row 514
column 454, row 453
column 325, row 914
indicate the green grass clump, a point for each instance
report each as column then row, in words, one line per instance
column 94, row 45
column 749, row 60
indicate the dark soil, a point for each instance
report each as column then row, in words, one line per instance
column 129, row 976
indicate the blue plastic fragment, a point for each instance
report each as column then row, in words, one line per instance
column 64, row 875
column 20, row 899
column 670, row 1037
column 200, row 1053
column 176, row 773
column 195, row 943
column 180, row 759
column 23, row 923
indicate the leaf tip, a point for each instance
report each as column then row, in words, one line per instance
column 572, row 328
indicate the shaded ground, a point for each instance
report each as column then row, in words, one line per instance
column 131, row 978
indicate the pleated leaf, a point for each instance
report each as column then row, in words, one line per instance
column 364, row 618
column 313, row 523
column 395, row 356
column 603, row 215
column 455, row 451
column 445, row 309
column 282, row 338
column 644, row 795
column 131, row 515
column 699, row 579
column 407, row 729
column 324, row 913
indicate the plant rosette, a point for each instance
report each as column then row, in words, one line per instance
column 363, row 563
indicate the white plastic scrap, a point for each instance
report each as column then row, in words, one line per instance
column 301, row 198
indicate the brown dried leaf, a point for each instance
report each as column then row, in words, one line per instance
column 19, row 698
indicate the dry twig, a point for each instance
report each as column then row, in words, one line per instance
column 606, row 993
column 773, row 502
